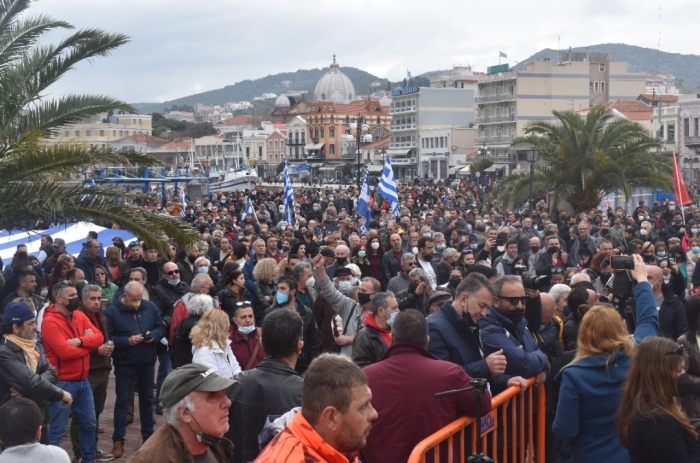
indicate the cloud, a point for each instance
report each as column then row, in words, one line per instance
column 178, row 46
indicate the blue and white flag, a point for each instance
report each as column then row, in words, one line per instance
column 248, row 210
column 89, row 184
column 387, row 187
column 288, row 194
column 363, row 205
column 502, row 55
column 183, row 200
column 409, row 73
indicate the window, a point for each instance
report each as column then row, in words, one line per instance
column 590, row 86
column 442, row 142
column 102, row 133
column 303, row 137
column 88, row 133
column 331, row 133
column 67, row 134
column 269, row 145
column 601, row 67
column 77, row 133
column 432, row 143
column 686, row 127
column 260, row 151
column 671, row 137
column 114, row 133
column 595, row 87
column 602, row 86
column 697, row 127
column 281, row 145
column 511, row 89
column 322, row 135
column 121, row 133
column 247, row 151
column 332, row 149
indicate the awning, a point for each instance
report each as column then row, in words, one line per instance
column 313, row 146
column 463, row 170
column 375, row 168
column 494, row 167
column 397, row 152
column 328, row 168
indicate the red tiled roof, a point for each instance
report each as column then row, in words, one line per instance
column 663, row 98
column 141, row 138
column 632, row 109
column 354, row 107
column 241, row 120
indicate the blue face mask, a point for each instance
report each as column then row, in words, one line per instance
column 282, row 298
column 661, row 253
column 474, row 245
column 202, row 269
column 392, row 317
column 361, row 253
column 246, row 329
column 695, row 249
column 174, row 283
column 344, row 286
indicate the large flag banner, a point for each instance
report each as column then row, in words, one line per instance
column 387, row 187
column 363, row 204
column 682, row 197
column 183, row 200
column 288, row 194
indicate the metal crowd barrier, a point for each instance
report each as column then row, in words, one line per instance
column 507, row 431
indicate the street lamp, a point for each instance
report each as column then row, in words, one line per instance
column 484, row 152
column 360, row 126
column 532, row 159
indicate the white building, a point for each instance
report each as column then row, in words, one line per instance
column 444, row 148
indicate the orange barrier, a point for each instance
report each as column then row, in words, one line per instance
column 511, row 433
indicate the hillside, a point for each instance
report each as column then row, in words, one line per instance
column 684, row 67
column 246, row 90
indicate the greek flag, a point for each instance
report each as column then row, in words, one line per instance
column 89, row 184
column 183, row 200
column 248, row 210
column 387, row 187
column 288, row 194
column 363, row 205
column 409, row 73
column 502, row 55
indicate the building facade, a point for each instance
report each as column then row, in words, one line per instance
column 103, row 129
column 442, row 148
column 689, row 137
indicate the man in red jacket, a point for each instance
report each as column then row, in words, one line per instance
column 68, row 336
column 404, row 384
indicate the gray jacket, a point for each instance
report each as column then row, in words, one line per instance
column 349, row 310
column 398, row 283
column 34, row 453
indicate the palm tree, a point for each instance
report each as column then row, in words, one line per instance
column 586, row 158
column 33, row 174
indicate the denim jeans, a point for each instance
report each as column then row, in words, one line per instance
column 83, row 407
column 99, row 380
column 124, row 374
column 164, row 368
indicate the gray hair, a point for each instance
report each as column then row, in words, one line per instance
column 420, row 272
column 343, row 246
column 559, row 290
column 449, row 252
column 381, row 300
column 131, row 286
column 438, row 235
column 141, row 270
column 300, row 269
column 198, row 281
column 200, row 260
column 91, row 289
column 199, row 303
column 583, row 276
column 407, row 256
column 170, row 413
column 218, row 233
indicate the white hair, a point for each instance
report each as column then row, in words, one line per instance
column 170, row 413
column 559, row 290
column 579, row 277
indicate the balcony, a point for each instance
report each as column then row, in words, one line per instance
column 400, row 127
column 410, row 144
column 494, row 140
column 406, row 109
column 495, row 98
column 495, row 119
column 296, row 142
column 691, row 141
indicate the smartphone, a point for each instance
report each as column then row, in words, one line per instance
column 148, row 336
column 622, row 262
column 671, row 261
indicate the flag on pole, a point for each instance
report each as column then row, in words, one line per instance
column 387, row 187
column 183, row 200
column 89, row 184
column 249, row 211
column 363, row 205
column 682, row 197
column 408, row 73
column 288, row 194
column 502, row 55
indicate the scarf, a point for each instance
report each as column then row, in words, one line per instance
column 29, row 349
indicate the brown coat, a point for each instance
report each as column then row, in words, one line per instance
column 691, row 401
column 166, row 446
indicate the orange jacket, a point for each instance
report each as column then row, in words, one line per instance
column 300, row 443
column 71, row 363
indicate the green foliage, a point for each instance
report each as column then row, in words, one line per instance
column 347, row 169
column 585, row 159
column 280, row 168
column 480, row 165
column 28, row 67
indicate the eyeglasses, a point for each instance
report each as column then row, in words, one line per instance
column 173, row 272
column 243, row 303
column 411, row 264
column 677, row 351
column 514, row 300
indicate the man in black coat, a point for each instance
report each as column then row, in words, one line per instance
column 272, row 388
column 672, row 320
column 391, row 262
column 169, row 290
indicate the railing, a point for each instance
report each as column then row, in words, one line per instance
column 689, row 141
column 517, row 447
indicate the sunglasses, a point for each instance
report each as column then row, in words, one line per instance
column 173, row 272
column 243, row 303
column 514, row 300
column 677, row 351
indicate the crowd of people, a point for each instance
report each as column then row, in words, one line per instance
column 326, row 339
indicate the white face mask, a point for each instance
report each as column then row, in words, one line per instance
column 375, row 245
column 414, row 250
column 310, row 282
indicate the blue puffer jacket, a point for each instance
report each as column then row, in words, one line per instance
column 123, row 322
column 591, row 389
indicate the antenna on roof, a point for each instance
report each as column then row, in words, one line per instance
column 559, row 50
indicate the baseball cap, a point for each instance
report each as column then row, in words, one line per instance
column 191, row 377
column 16, row 313
column 58, row 242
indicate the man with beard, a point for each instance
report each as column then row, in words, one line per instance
column 335, row 418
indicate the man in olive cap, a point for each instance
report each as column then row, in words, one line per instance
column 196, row 419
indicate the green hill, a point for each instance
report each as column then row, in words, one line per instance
column 684, row 67
column 246, row 90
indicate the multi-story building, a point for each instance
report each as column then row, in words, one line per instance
column 140, row 142
column 689, row 136
column 276, row 149
column 459, row 77
column 442, row 148
column 101, row 130
column 420, row 108
column 508, row 99
column 296, row 138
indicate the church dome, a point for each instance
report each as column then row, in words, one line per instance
column 282, row 101
column 334, row 81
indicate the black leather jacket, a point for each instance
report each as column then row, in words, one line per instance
column 168, row 295
column 312, row 338
column 271, row 388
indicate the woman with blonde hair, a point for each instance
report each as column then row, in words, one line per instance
column 211, row 346
column 591, row 386
column 264, row 288
column 113, row 255
column 651, row 425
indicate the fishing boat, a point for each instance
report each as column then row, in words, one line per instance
column 239, row 177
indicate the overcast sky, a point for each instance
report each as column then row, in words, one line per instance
column 181, row 47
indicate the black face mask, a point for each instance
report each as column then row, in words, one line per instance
column 73, row 304
column 412, row 287
column 604, row 231
column 553, row 250
column 363, row 298
column 516, row 316
column 216, row 242
column 454, row 282
column 604, row 279
column 341, row 260
column 535, row 249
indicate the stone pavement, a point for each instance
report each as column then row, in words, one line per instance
column 133, row 431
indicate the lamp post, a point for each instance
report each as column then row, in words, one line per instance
column 484, row 152
column 531, row 158
column 360, row 126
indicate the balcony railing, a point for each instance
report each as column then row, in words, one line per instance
column 400, row 127
column 499, row 97
column 402, row 110
column 494, row 139
column 691, row 141
column 403, row 145
column 494, row 119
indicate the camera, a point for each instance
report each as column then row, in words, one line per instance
column 621, row 262
column 535, row 282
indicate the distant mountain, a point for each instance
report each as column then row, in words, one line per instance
column 246, row 90
column 684, row 67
